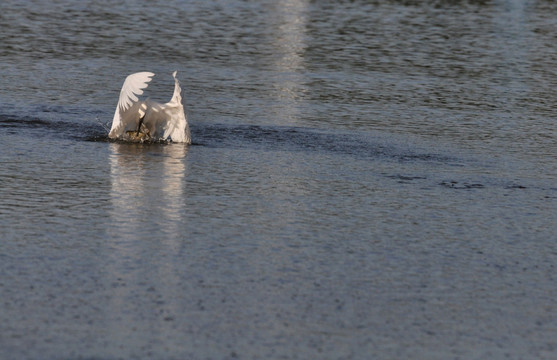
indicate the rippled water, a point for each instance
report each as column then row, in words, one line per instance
column 368, row 179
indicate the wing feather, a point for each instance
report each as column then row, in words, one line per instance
column 133, row 86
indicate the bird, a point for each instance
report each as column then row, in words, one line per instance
column 146, row 120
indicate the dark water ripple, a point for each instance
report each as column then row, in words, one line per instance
column 269, row 139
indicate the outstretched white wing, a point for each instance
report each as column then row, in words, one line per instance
column 133, row 86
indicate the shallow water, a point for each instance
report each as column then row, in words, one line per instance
column 367, row 180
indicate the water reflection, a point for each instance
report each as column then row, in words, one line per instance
column 289, row 37
column 147, row 179
column 289, row 42
column 147, row 194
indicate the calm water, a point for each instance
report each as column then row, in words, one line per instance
column 368, row 180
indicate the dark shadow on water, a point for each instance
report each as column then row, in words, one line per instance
column 261, row 138
column 32, row 126
column 275, row 138
column 356, row 145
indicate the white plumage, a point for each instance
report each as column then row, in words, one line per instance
column 149, row 120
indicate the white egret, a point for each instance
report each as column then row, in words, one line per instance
column 136, row 120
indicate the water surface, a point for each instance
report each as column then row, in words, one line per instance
column 368, row 179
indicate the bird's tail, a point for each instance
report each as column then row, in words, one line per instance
column 176, row 97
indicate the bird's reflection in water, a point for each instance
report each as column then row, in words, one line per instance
column 148, row 184
column 147, row 190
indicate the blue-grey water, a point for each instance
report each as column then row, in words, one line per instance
column 368, row 180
